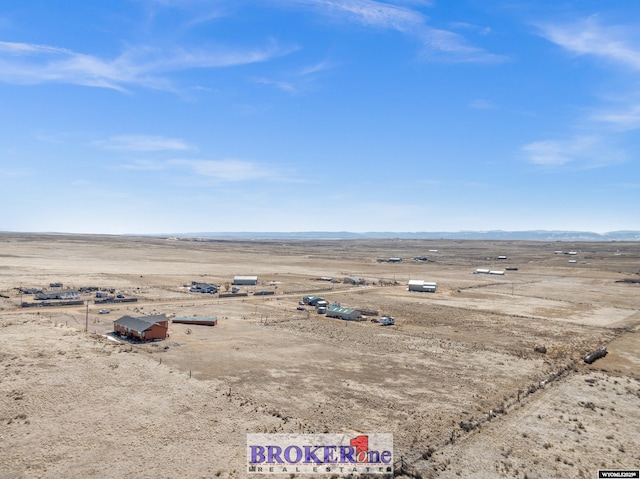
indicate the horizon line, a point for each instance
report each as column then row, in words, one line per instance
column 496, row 234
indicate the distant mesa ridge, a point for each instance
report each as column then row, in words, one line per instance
column 533, row 235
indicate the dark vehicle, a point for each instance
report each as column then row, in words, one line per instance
column 595, row 355
column 264, row 292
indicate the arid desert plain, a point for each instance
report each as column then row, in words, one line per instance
column 484, row 378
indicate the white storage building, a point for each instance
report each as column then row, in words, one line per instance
column 422, row 286
column 245, row 280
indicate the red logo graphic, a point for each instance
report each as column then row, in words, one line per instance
column 361, row 443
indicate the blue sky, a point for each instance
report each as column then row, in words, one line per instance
column 169, row 116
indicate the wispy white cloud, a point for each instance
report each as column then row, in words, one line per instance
column 449, row 46
column 315, row 68
column 26, row 63
column 471, row 27
column 422, row 3
column 613, row 46
column 209, row 15
column 203, row 172
column 439, row 44
column 297, row 81
column 367, row 12
column 227, row 170
column 581, row 151
column 16, row 172
column 279, row 84
column 623, row 119
column 144, row 165
column 144, row 143
column 589, row 37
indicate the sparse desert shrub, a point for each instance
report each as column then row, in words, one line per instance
column 428, row 453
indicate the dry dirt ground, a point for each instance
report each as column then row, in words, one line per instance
column 457, row 380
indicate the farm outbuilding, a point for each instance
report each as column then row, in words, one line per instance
column 422, row 286
column 142, row 328
column 197, row 287
column 343, row 313
column 311, row 300
column 58, row 294
column 245, row 280
column 30, row 290
column 197, row 321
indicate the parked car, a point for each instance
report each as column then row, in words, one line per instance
column 387, row 321
column 300, row 308
column 104, row 311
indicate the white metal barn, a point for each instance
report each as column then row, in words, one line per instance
column 245, row 280
column 422, row 286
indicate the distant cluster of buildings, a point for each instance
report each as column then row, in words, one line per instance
column 206, row 288
column 156, row 327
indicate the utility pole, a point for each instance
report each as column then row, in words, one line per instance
column 86, row 319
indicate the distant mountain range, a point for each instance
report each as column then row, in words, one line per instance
column 534, row 235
